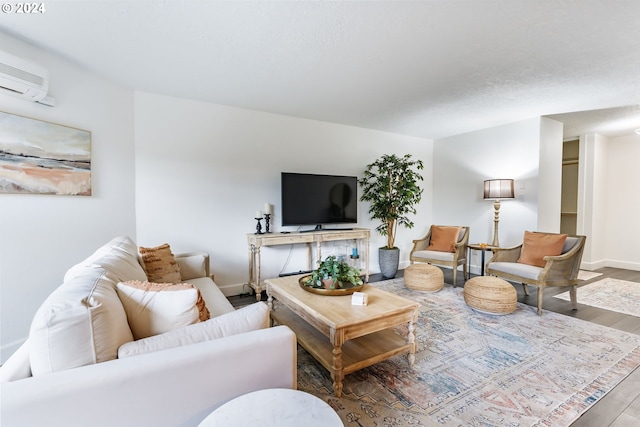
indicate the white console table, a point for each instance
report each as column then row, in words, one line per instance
column 256, row 241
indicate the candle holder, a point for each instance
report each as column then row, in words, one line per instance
column 267, row 222
column 258, row 227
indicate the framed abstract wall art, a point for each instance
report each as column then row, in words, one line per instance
column 38, row 157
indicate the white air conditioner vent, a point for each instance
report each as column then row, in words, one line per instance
column 22, row 78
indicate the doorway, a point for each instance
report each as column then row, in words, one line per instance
column 569, row 202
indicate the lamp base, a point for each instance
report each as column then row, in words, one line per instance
column 496, row 219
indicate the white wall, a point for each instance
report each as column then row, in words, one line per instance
column 41, row 236
column 622, row 207
column 593, row 199
column 550, row 176
column 516, row 150
column 202, row 170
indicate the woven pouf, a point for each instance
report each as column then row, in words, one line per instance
column 423, row 277
column 490, row 294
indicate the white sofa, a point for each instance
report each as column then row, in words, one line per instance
column 69, row 373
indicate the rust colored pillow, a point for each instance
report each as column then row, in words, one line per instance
column 443, row 238
column 160, row 264
column 536, row 246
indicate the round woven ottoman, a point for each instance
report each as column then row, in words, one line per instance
column 491, row 295
column 423, row 277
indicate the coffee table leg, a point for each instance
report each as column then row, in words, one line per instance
column 269, row 300
column 337, row 373
column 411, row 338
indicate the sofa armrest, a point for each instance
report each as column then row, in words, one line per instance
column 193, row 265
column 174, row 387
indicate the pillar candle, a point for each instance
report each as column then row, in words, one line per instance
column 268, row 209
column 258, row 214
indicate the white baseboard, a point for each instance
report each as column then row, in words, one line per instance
column 474, row 269
column 590, row 266
column 626, row 265
column 401, row 266
column 235, row 289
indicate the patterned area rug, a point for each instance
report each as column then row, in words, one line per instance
column 587, row 275
column 475, row 369
column 610, row 294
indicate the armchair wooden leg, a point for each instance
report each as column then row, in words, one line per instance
column 524, row 288
column 540, row 301
column 455, row 270
column 573, row 293
column 465, row 273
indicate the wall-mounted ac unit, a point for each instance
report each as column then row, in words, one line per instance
column 22, row 78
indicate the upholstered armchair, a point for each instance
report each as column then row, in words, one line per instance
column 552, row 270
column 444, row 246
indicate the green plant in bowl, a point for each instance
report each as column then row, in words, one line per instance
column 334, row 273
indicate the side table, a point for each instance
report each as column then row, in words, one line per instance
column 276, row 407
column 483, row 249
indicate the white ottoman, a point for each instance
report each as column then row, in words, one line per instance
column 275, row 407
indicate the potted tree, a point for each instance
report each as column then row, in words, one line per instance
column 391, row 185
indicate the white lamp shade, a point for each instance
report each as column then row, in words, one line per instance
column 498, row 189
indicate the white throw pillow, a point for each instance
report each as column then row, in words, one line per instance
column 119, row 257
column 82, row 322
column 156, row 308
column 246, row 319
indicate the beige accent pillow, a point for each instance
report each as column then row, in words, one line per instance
column 536, row 246
column 160, row 264
column 82, row 322
column 156, row 308
column 443, row 238
column 250, row 318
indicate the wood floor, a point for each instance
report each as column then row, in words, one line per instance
column 621, row 406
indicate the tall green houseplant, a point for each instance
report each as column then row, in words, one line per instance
column 391, row 186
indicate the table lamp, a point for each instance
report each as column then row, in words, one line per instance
column 497, row 189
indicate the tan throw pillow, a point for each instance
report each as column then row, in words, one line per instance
column 156, row 308
column 160, row 264
column 536, row 246
column 443, row 238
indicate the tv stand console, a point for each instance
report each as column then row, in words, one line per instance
column 320, row 228
column 257, row 241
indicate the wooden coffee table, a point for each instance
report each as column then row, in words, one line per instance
column 342, row 337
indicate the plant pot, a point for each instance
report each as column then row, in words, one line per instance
column 388, row 260
column 330, row 284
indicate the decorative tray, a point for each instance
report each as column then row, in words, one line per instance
column 347, row 290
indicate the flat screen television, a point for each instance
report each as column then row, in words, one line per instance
column 309, row 199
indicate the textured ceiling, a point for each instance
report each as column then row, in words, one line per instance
column 425, row 68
